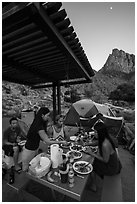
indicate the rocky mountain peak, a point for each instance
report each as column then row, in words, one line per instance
column 119, row 61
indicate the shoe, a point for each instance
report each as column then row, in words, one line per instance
column 11, row 177
column 11, row 180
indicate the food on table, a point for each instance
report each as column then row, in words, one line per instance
column 76, row 147
column 81, row 167
column 75, row 154
column 94, row 149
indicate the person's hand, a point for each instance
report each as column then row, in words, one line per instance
column 88, row 150
column 18, row 139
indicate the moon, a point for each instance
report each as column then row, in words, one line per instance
column 111, row 8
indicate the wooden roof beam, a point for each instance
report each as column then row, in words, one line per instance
column 39, row 56
column 82, row 81
column 43, row 48
column 18, row 66
column 43, row 21
column 44, row 60
column 47, row 50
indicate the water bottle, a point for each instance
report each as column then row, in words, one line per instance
column 71, row 178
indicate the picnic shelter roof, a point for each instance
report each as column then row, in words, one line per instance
column 39, row 45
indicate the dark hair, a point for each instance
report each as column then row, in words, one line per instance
column 58, row 117
column 38, row 121
column 102, row 131
column 13, row 118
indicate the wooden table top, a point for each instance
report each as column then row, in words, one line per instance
column 74, row 192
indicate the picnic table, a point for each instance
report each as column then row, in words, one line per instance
column 74, row 192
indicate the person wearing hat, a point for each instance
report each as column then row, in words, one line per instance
column 106, row 161
column 37, row 132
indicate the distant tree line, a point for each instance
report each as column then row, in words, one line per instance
column 125, row 92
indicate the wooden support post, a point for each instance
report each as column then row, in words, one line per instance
column 59, row 98
column 54, row 101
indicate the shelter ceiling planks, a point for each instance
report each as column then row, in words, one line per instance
column 39, row 45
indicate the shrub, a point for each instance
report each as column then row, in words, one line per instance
column 125, row 92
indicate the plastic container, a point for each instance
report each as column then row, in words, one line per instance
column 39, row 170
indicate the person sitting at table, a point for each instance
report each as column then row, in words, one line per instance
column 57, row 131
column 11, row 137
column 37, row 132
column 106, row 161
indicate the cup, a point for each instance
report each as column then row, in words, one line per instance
column 63, row 170
column 54, row 150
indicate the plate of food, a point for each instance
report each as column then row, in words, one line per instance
column 75, row 154
column 22, row 143
column 75, row 147
column 94, row 149
column 82, row 167
column 73, row 138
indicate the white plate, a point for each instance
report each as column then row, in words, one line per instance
column 22, row 143
column 75, row 152
column 76, row 148
column 73, row 138
column 76, row 167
